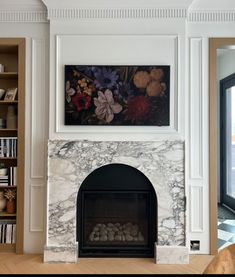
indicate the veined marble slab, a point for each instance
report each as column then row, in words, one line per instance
column 70, row 162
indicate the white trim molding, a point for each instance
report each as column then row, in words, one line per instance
column 113, row 4
column 211, row 16
column 37, row 206
column 196, row 208
column 195, row 109
column 23, row 16
column 38, row 105
column 116, row 13
column 140, row 13
column 61, row 13
column 129, row 41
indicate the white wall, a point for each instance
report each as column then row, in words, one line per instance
column 226, row 64
column 180, row 39
column 151, row 48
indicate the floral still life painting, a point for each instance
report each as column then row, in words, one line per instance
column 117, row 95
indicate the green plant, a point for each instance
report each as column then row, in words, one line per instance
column 2, row 165
column 10, row 194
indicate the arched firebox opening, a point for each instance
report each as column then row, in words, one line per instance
column 116, row 213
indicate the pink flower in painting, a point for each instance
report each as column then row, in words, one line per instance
column 106, row 107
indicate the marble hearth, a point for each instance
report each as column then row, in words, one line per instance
column 70, row 162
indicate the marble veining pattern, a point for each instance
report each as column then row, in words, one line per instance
column 70, row 162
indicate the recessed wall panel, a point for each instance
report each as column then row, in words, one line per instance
column 37, row 207
column 195, row 110
column 38, row 111
column 196, row 209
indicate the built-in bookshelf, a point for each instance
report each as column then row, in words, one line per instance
column 12, row 137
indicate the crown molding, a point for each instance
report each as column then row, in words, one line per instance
column 116, row 4
column 23, row 16
column 115, row 13
column 211, row 16
column 39, row 16
column 142, row 13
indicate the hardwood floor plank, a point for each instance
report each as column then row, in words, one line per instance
column 11, row 263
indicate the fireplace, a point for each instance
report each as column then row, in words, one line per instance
column 116, row 213
column 151, row 179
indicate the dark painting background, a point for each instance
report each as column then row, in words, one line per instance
column 117, row 95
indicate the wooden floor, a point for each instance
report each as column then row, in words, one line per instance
column 33, row 264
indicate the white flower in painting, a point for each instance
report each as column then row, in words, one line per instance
column 106, row 107
column 69, row 91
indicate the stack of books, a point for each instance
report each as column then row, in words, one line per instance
column 10, row 179
column 4, row 180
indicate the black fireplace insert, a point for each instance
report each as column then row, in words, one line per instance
column 116, row 213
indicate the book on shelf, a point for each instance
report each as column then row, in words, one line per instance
column 7, row 231
column 12, row 173
column 4, row 180
column 8, row 147
column 11, row 178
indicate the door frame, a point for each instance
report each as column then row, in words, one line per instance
column 214, row 165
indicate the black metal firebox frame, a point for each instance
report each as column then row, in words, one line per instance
column 117, row 251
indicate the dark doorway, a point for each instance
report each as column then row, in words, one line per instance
column 116, row 213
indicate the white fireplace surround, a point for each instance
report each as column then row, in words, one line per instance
column 71, row 161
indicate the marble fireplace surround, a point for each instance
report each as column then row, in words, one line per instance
column 71, row 161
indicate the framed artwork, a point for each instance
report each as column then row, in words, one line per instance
column 117, row 95
column 10, row 94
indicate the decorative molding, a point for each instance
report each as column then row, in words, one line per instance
column 196, row 209
column 172, row 40
column 174, row 112
column 195, row 109
column 214, row 16
column 116, row 13
column 57, row 98
column 38, row 105
column 23, row 16
column 113, row 3
column 37, row 206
